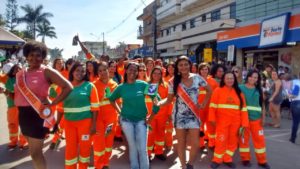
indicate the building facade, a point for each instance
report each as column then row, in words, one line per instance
column 188, row 27
column 268, row 33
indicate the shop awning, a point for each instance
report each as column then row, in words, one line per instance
column 8, row 38
column 249, row 36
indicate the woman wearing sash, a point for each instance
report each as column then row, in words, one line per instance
column 133, row 115
column 36, row 79
column 228, row 112
column 107, row 119
column 80, row 110
column 185, row 88
column 9, row 81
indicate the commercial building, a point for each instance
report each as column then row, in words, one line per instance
column 268, row 32
column 188, row 27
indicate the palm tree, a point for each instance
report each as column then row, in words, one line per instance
column 44, row 30
column 33, row 17
column 2, row 21
column 55, row 53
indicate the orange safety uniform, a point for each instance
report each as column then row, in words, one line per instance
column 169, row 124
column 156, row 134
column 255, row 128
column 225, row 111
column 207, row 128
column 106, row 125
column 12, row 114
column 78, row 108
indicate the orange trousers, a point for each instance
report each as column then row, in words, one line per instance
column 256, row 130
column 169, row 133
column 77, row 140
column 227, row 129
column 59, row 134
column 13, row 127
column 118, row 132
column 156, row 135
column 103, row 140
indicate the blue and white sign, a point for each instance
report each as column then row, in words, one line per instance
column 273, row 30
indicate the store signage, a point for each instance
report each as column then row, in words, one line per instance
column 230, row 53
column 207, row 55
column 273, row 30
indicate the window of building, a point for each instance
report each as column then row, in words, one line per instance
column 168, row 32
column 203, row 18
column 174, row 28
column 233, row 11
column 162, row 33
column 183, row 26
column 215, row 15
column 192, row 23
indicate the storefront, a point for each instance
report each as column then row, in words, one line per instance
column 275, row 40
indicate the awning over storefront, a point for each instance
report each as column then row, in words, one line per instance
column 249, row 36
column 8, row 38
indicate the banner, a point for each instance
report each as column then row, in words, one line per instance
column 207, row 55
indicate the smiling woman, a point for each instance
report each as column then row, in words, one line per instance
column 37, row 80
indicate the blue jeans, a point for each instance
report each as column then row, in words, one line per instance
column 136, row 135
column 295, row 108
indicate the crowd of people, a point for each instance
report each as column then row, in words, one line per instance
column 206, row 106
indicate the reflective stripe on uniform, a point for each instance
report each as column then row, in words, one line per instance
column 244, row 109
column 95, row 105
column 260, row 150
column 253, row 108
column 150, row 148
column 84, row 159
column 148, row 100
column 99, row 153
column 160, row 143
column 229, row 152
column 108, row 149
column 228, row 106
column 169, row 131
column 218, row 155
column 71, row 162
column 13, row 134
column 104, row 102
column 202, row 92
column 77, row 110
column 213, row 105
column 211, row 136
column 244, row 150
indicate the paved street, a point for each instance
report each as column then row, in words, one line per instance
column 281, row 153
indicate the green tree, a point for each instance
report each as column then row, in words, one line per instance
column 33, row 17
column 11, row 14
column 2, row 21
column 45, row 30
column 56, row 52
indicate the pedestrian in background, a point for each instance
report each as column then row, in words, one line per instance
column 275, row 99
column 294, row 96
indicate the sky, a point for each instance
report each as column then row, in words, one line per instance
column 88, row 19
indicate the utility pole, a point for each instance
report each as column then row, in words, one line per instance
column 103, row 47
column 154, row 29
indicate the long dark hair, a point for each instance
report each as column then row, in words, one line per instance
column 235, row 87
column 70, row 61
column 116, row 74
column 127, row 66
column 11, row 71
column 215, row 68
column 177, row 75
column 74, row 67
column 257, row 85
column 161, row 78
column 95, row 67
column 169, row 64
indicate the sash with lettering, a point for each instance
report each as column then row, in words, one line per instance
column 187, row 99
column 43, row 111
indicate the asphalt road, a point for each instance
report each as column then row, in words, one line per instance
column 281, row 153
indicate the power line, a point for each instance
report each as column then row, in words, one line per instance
column 127, row 17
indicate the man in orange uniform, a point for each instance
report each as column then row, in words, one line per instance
column 156, row 135
column 107, row 119
column 225, row 112
column 207, row 128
